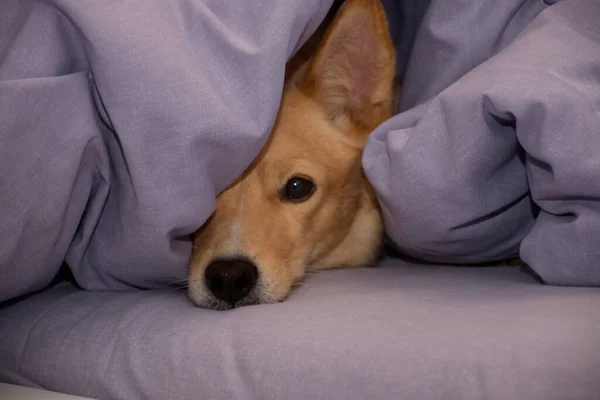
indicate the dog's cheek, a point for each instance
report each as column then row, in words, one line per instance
column 276, row 279
column 334, row 221
column 282, row 289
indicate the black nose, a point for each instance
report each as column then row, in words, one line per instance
column 230, row 280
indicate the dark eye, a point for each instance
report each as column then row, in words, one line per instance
column 298, row 189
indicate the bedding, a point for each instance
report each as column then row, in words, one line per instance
column 17, row 392
column 495, row 151
column 399, row 331
column 119, row 125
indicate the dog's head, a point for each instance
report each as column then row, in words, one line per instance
column 305, row 204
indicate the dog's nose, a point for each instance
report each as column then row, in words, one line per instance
column 230, row 280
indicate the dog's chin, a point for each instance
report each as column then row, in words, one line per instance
column 203, row 298
column 211, row 302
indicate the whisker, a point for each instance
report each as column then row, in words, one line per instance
column 177, row 281
column 321, row 274
column 179, row 288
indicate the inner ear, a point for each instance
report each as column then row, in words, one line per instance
column 353, row 70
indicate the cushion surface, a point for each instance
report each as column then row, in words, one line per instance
column 397, row 331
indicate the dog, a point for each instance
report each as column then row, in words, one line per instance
column 305, row 204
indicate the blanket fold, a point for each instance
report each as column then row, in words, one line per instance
column 121, row 122
column 498, row 155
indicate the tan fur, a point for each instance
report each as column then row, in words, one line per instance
column 330, row 105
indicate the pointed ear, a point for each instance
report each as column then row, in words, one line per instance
column 353, row 70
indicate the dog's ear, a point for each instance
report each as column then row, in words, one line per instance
column 353, row 70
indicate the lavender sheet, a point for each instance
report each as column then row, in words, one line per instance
column 399, row 331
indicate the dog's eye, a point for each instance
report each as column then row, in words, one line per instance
column 298, row 189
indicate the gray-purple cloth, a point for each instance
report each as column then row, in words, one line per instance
column 400, row 331
column 120, row 121
column 496, row 150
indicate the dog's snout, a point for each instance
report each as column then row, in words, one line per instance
column 231, row 280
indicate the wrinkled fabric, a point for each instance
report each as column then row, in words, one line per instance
column 399, row 331
column 121, row 121
column 404, row 18
column 496, row 152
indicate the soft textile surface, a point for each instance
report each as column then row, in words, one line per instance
column 500, row 123
column 399, row 331
column 120, row 121
column 15, row 392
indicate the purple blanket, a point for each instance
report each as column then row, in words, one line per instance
column 120, row 123
column 496, row 152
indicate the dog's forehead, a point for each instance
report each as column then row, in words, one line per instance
column 303, row 130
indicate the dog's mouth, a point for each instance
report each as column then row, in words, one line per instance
column 205, row 298
column 211, row 302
